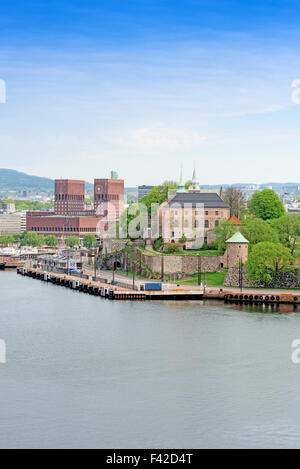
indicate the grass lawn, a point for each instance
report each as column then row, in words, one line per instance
column 213, row 279
column 188, row 252
column 191, row 252
column 147, row 251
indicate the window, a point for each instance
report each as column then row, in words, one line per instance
column 217, row 213
column 217, row 223
column 196, row 224
column 186, row 223
column 206, row 224
column 206, row 212
column 176, row 224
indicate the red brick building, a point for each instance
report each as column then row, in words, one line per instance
column 71, row 218
column 109, row 198
column 61, row 226
column 69, row 198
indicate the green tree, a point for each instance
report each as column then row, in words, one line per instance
column 172, row 248
column 224, row 231
column 126, row 218
column 28, row 205
column 72, row 241
column 170, row 184
column 183, row 239
column 156, row 196
column 288, row 230
column 257, row 231
column 267, row 260
column 236, row 201
column 266, row 205
column 33, row 239
column 89, row 241
column 158, row 244
column 7, row 240
column 51, row 241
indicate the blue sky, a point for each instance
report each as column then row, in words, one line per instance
column 144, row 86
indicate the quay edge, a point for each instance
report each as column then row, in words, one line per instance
column 113, row 293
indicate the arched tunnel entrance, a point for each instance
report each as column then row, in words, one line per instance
column 117, row 265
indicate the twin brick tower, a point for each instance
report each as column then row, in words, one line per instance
column 70, row 216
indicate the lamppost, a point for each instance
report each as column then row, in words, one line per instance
column 133, row 275
column 67, row 228
column 95, row 261
column 127, row 264
column 114, row 268
column 162, row 268
column 199, row 270
column 140, row 259
column 241, row 275
column 68, row 265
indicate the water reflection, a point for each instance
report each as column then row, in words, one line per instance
column 263, row 307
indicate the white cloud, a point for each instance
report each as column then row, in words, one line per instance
column 163, row 137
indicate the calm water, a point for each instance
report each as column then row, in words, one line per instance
column 85, row 372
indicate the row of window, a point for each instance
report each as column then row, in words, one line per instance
column 217, row 213
column 196, row 224
column 58, row 229
column 106, row 197
column 68, row 197
column 71, row 204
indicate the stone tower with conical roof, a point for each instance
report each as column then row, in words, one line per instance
column 237, row 250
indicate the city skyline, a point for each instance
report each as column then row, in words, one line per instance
column 145, row 87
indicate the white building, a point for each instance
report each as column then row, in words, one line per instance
column 11, row 224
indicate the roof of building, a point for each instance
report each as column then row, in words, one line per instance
column 210, row 200
column 237, row 238
column 235, row 220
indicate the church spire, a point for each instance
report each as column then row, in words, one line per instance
column 194, row 178
column 181, row 187
column 194, row 187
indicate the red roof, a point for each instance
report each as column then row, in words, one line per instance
column 235, row 220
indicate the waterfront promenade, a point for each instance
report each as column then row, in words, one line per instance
column 208, row 289
column 119, row 287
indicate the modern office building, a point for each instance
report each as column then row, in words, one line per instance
column 11, row 224
column 144, row 190
column 8, row 207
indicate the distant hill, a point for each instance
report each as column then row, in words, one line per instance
column 11, row 180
